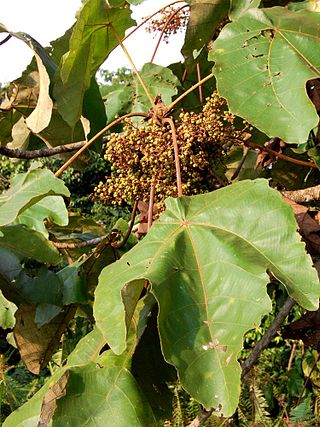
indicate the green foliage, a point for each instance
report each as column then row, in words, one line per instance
column 247, row 51
column 189, row 303
column 151, row 332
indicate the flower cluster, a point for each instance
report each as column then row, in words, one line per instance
column 169, row 21
column 144, row 156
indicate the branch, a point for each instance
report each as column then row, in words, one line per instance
column 304, row 195
column 265, row 340
column 91, row 242
column 43, row 152
column 133, row 66
column 201, row 418
column 279, row 155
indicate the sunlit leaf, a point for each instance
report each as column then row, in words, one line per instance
column 7, row 311
column 26, row 190
column 206, row 259
column 52, row 207
column 91, row 42
column 262, row 63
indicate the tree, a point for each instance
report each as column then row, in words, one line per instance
column 177, row 303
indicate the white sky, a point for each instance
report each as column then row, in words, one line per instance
column 46, row 20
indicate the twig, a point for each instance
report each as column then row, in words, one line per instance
column 96, row 136
column 133, row 66
column 169, row 120
column 199, row 79
column 308, row 378
column 279, row 155
column 126, row 237
column 149, row 17
column 173, row 14
column 201, row 418
column 304, row 195
column 176, row 101
column 5, row 39
column 265, row 340
column 43, row 152
column 293, row 350
column 151, row 200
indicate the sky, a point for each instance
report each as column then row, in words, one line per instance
column 46, row 20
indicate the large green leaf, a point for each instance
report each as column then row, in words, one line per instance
column 91, row 42
column 205, row 16
column 103, row 397
column 262, row 63
column 206, row 259
column 109, row 390
column 26, row 190
column 50, row 206
column 27, row 243
column 132, row 97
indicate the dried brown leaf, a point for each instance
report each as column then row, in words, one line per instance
column 36, row 345
column 49, row 403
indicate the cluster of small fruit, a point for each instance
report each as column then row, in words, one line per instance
column 143, row 157
column 169, row 21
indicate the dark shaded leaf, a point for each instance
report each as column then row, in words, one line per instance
column 205, row 16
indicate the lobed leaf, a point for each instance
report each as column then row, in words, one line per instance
column 26, row 190
column 262, row 63
column 52, row 207
column 206, row 259
column 91, row 42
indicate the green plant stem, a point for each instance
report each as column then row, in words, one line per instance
column 170, row 121
column 279, row 155
column 176, row 101
column 133, row 66
column 199, row 79
column 94, row 138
